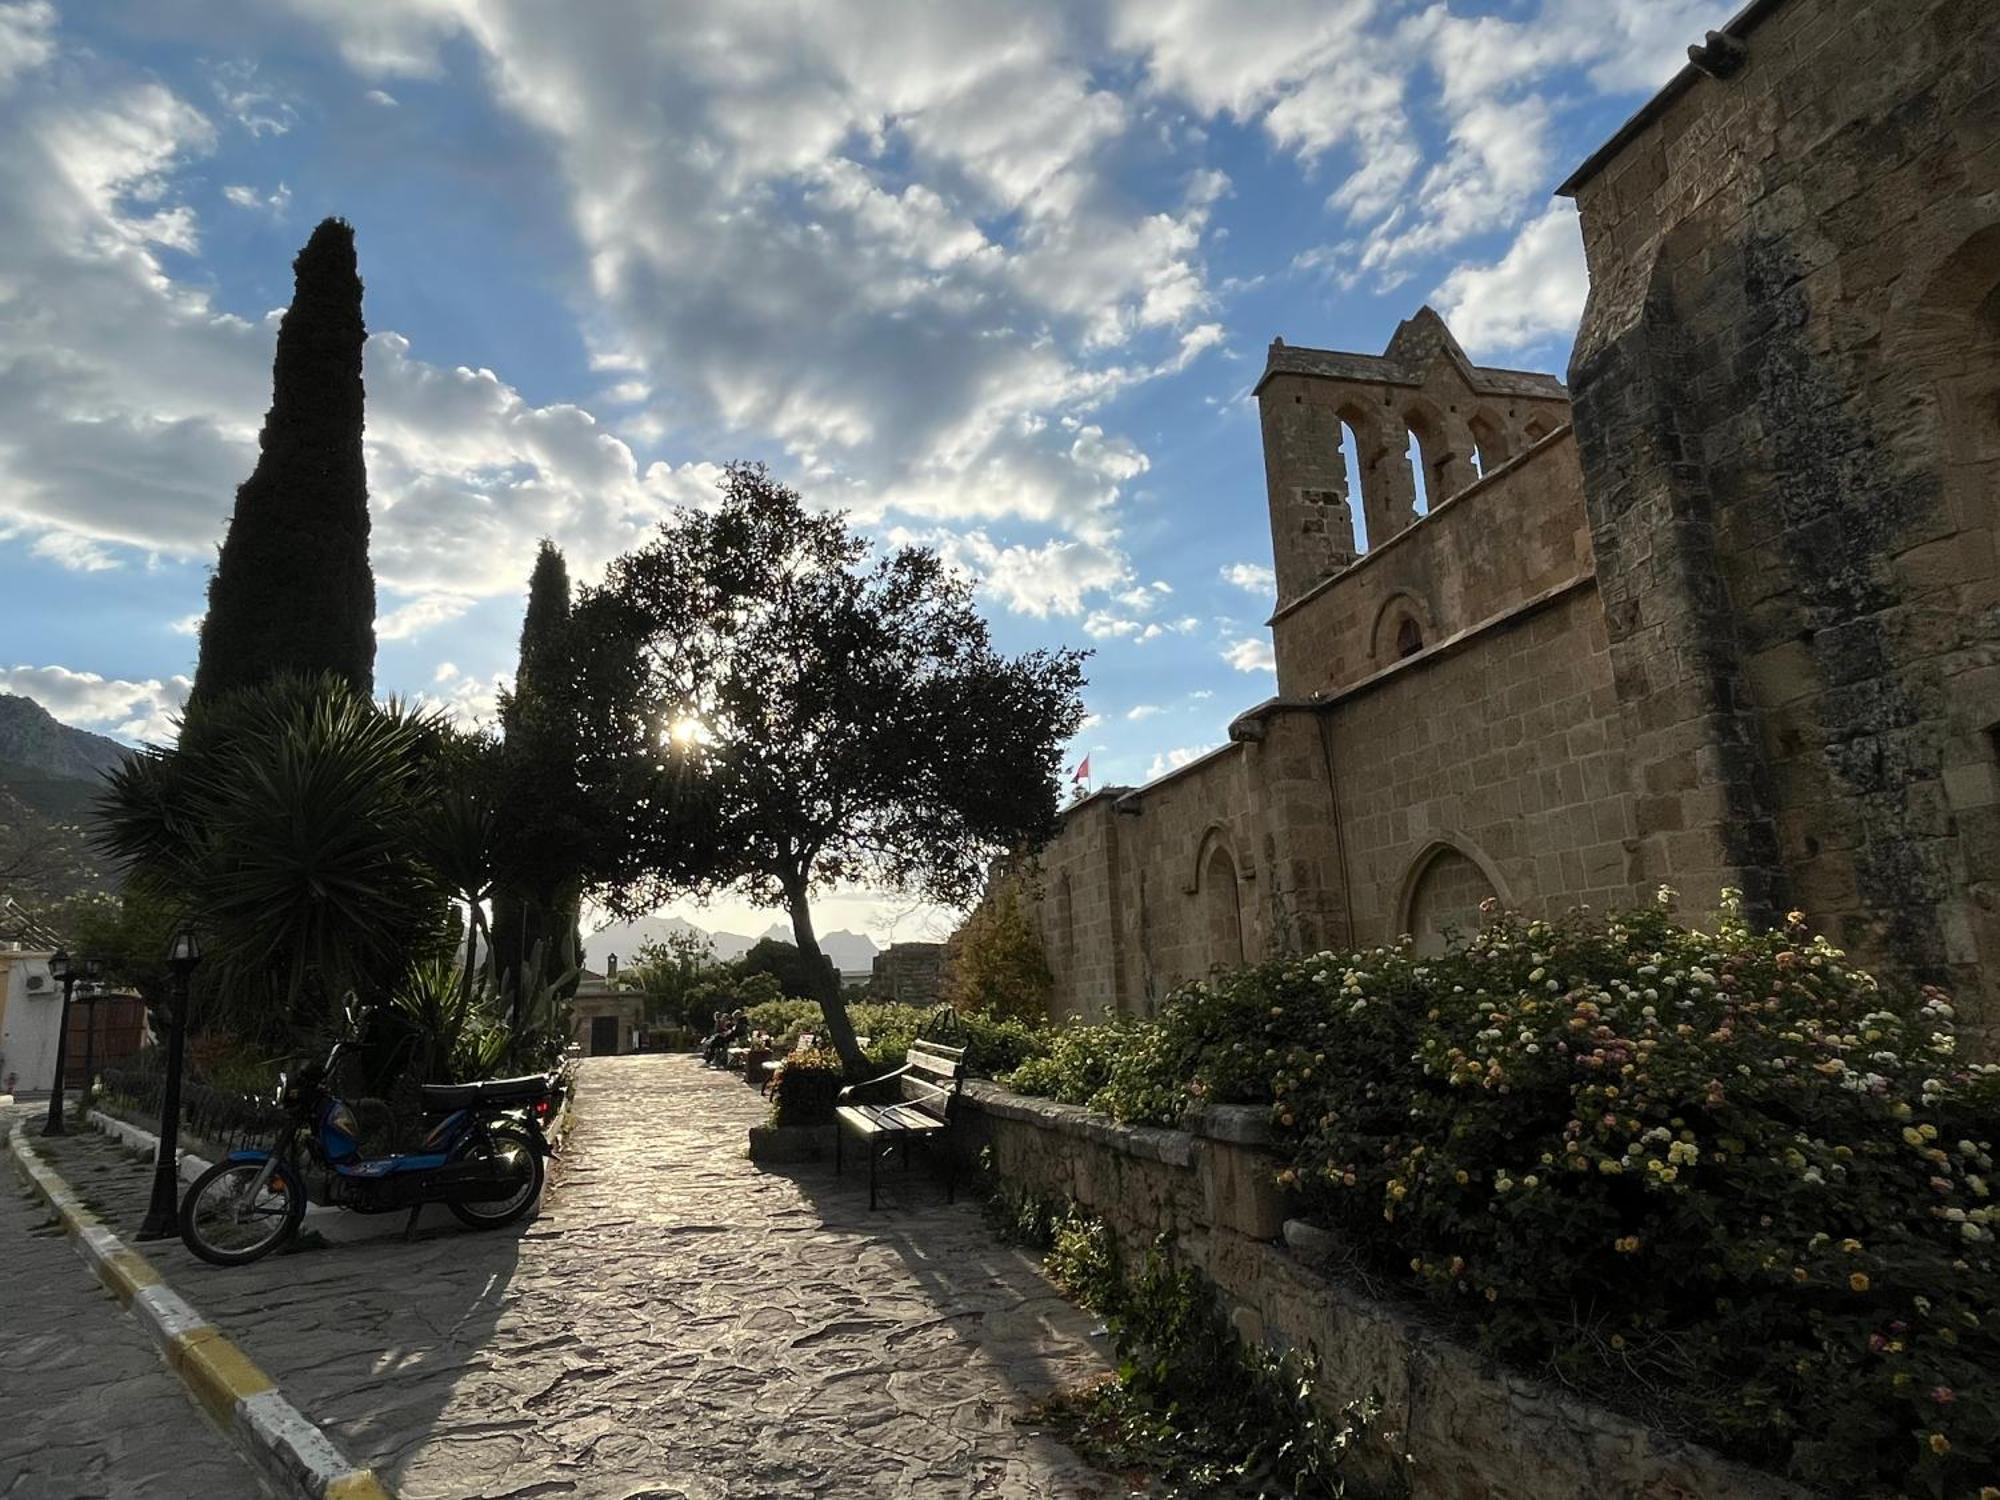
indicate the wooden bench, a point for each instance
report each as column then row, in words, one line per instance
column 928, row 1085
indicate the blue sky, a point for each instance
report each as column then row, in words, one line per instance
column 996, row 279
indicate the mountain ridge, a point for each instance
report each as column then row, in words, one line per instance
column 33, row 739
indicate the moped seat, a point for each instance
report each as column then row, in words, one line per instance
column 498, row 1092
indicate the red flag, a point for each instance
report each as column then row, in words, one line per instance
column 1082, row 772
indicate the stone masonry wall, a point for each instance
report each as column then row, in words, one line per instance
column 1225, row 861
column 1472, row 1430
column 1507, row 752
column 1787, row 396
column 1514, row 534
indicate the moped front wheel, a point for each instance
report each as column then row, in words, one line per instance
column 229, row 1220
column 508, row 1146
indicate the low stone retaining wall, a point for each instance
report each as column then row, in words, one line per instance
column 1472, row 1430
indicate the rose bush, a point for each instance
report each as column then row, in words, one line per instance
column 1724, row 1180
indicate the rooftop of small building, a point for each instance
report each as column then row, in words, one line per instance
column 1413, row 349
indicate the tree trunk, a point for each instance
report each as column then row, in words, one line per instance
column 471, row 951
column 826, row 981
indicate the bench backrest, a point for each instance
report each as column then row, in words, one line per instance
column 933, row 1077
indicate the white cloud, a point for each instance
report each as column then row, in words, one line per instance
column 141, row 710
column 273, row 203
column 1255, row 578
column 1172, row 760
column 1360, row 82
column 129, row 404
column 1143, row 711
column 1251, row 653
column 469, row 702
column 24, row 37
column 423, row 613
column 1534, row 291
column 969, row 281
column 77, row 553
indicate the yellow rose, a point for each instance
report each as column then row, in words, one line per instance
column 1858, row 1281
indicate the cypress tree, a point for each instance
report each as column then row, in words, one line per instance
column 292, row 590
column 541, row 841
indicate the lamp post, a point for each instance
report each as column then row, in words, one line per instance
column 91, row 969
column 162, row 1214
column 63, row 972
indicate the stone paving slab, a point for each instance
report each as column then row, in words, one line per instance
column 677, row 1324
column 88, row 1410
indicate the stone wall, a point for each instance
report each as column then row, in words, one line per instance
column 1225, row 861
column 1505, row 753
column 1787, row 397
column 1493, row 756
column 1513, row 535
column 1472, row 1430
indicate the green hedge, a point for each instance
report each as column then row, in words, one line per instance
column 992, row 1046
column 1724, row 1180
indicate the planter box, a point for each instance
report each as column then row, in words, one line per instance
column 1472, row 1431
column 777, row 1143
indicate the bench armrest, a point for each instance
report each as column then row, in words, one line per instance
column 869, row 1083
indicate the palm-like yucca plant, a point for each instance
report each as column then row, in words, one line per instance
column 286, row 822
column 459, row 831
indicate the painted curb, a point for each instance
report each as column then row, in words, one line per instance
column 138, row 1138
column 275, row 1435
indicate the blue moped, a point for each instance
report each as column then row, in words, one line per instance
column 483, row 1160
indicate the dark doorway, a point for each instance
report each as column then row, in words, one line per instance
column 603, row 1036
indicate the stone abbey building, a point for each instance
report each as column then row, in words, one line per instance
column 1722, row 612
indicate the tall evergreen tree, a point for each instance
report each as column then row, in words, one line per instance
column 542, row 841
column 292, row 591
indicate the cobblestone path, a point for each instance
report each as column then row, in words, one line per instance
column 88, row 1409
column 678, row 1324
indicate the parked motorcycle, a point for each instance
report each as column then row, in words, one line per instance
column 482, row 1160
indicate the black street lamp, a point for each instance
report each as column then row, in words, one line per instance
column 63, row 972
column 91, row 969
column 162, row 1214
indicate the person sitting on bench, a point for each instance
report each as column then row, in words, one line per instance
column 729, row 1032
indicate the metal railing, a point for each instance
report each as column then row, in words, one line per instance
column 222, row 1118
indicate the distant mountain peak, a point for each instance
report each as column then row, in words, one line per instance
column 33, row 739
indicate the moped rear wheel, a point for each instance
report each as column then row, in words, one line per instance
column 509, row 1144
column 227, row 1220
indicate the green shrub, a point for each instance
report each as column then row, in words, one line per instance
column 1724, row 1180
column 806, row 1088
column 995, row 1045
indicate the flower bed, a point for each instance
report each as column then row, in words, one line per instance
column 1722, row 1180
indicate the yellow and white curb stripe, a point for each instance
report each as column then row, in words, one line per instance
column 245, row 1401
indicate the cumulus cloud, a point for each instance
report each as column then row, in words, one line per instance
column 273, row 203
column 863, row 247
column 1360, row 87
column 1143, row 711
column 138, row 711
column 420, row 614
column 1251, row 653
column 129, row 404
column 1255, row 578
column 1534, row 291
column 469, row 702
column 1172, row 760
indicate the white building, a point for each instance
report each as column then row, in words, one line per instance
column 30, row 1014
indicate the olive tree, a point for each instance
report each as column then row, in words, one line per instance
column 772, row 707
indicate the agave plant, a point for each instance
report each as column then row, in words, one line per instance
column 287, row 823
